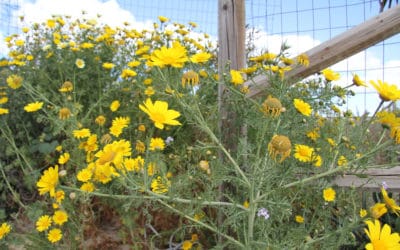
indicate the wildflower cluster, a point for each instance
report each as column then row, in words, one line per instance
column 381, row 220
column 48, row 183
column 125, row 122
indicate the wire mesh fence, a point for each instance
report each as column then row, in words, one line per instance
column 302, row 24
column 305, row 24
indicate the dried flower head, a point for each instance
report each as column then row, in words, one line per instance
column 191, row 78
column 64, row 113
column 272, row 106
column 280, row 145
column 67, row 86
column 100, row 120
column 302, row 59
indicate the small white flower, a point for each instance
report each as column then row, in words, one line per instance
column 263, row 212
column 169, row 140
column 62, row 173
column 46, row 47
column 80, row 63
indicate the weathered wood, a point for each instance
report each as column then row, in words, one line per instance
column 231, row 55
column 373, row 179
column 339, row 48
column 231, row 34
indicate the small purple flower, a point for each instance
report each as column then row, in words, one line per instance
column 169, row 140
column 385, row 185
column 263, row 212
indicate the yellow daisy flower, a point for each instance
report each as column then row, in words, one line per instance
column 363, row 213
column 329, row 194
column 48, row 181
column 127, row 73
column 107, row 65
column 381, row 238
column 160, row 185
column 378, row 210
column 87, row 187
column 81, row 133
column 187, row 245
column 114, row 106
column 43, row 223
column 201, row 57
column 299, row 219
column 33, row 106
column 387, row 92
column 303, row 107
column 174, row 57
column 390, row 203
column 118, row 124
column 3, row 111
column 156, row 144
column 357, row 81
column 342, row 161
column 14, row 81
column 64, row 158
column 330, row 75
column 163, row 19
column 236, row 77
column 54, row 235
column 160, row 114
column 60, row 217
column 3, row 99
column 84, row 175
column 5, row 229
column 303, row 153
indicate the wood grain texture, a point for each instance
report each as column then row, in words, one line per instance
column 372, row 179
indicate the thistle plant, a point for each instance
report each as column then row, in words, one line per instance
column 120, row 123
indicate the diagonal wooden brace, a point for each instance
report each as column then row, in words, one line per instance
column 339, row 48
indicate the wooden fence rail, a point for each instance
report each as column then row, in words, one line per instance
column 339, row 48
column 372, row 179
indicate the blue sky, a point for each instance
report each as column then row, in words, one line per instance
column 301, row 23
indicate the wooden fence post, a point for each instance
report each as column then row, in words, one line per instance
column 231, row 55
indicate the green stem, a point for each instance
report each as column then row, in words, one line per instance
column 314, row 177
column 252, row 215
column 19, row 154
column 154, row 196
column 14, row 194
column 203, row 125
column 371, row 119
column 203, row 224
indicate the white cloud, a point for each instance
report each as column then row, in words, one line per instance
column 3, row 46
column 272, row 43
column 110, row 11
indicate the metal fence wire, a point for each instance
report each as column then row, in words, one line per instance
column 302, row 24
